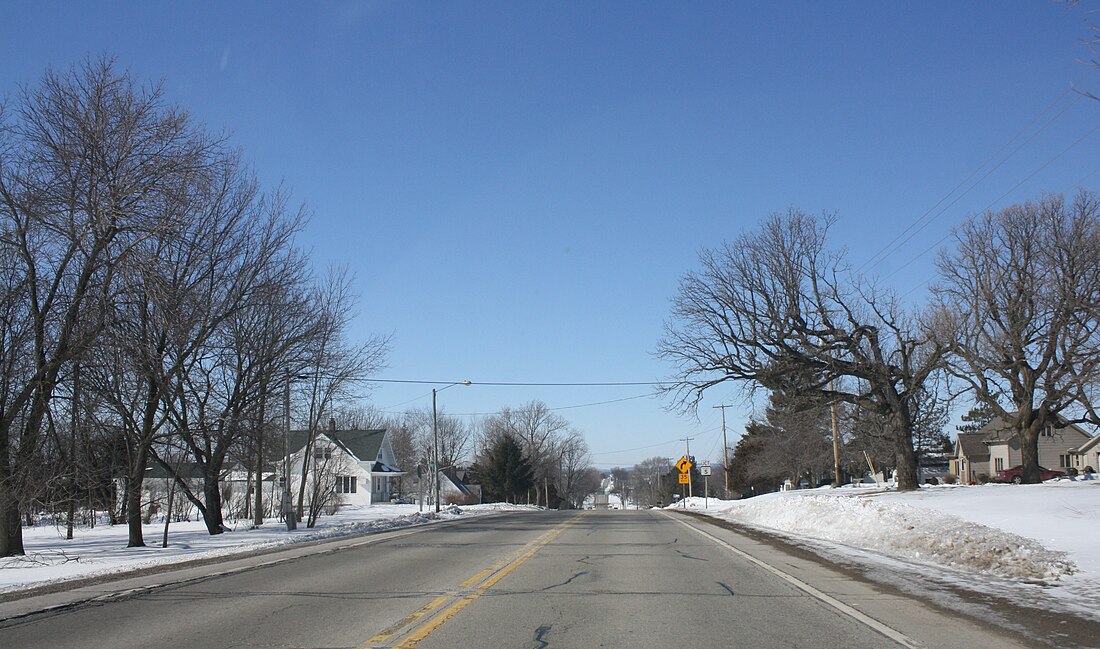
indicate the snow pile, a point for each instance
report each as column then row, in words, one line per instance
column 1030, row 543
column 902, row 531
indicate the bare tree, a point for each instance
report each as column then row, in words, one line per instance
column 221, row 382
column 646, row 478
column 326, row 482
column 1019, row 306
column 85, row 170
column 335, row 368
column 777, row 302
column 573, row 461
column 538, row 429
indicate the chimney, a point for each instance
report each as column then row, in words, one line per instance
column 332, row 424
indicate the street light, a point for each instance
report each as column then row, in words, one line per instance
column 435, row 439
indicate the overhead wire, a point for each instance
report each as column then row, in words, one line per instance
column 1080, row 181
column 522, row 384
column 928, row 217
column 570, row 407
column 998, row 199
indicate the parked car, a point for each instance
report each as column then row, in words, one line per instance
column 1015, row 475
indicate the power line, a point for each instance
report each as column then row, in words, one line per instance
column 998, row 199
column 639, row 448
column 665, row 443
column 525, row 384
column 1080, row 181
column 601, row 403
column 928, row 217
column 485, row 414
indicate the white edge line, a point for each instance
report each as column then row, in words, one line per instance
column 866, row 620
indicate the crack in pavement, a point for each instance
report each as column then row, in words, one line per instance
column 567, row 581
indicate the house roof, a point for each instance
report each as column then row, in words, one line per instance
column 1093, row 442
column 382, row 467
column 363, row 445
column 972, row 445
column 185, row 470
column 452, row 476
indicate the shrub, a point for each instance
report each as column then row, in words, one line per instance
column 1089, row 469
column 983, row 478
column 932, row 481
column 950, row 478
column 1071, row 471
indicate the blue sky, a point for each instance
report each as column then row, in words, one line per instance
column 518, row 186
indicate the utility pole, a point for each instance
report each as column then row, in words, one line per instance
column 836, row 442
column 725, row 451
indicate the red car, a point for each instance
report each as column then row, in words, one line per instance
column 1015, row 475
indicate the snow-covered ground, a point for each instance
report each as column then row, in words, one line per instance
column 102, row 550
column 1035, row 544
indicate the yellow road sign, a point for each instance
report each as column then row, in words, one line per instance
column 684, row 464
column 685, row 478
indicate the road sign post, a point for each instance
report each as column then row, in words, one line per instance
column 684, row 465
column 704, row 470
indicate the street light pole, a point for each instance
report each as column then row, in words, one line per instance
column 435, row 452
column 435, row 440
column 288, row 509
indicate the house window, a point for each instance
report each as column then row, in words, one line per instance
column 322, row 454
column 1064, row 461
column 1048, row 430
column 999, row 464
column 346, row 484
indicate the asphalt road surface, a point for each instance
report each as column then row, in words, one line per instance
column 538, row 579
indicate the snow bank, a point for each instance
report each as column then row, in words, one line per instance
column 902, row 531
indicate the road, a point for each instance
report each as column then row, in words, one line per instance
column 533, row 579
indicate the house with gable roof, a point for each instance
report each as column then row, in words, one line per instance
column 971, row 457
column 1087, row 455
column 996, row 447
column 359, row 462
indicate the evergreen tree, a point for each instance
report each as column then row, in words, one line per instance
column 977, row 417
column 505, row 472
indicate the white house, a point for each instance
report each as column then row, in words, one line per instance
column 359, row 464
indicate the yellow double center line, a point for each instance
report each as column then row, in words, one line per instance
column 423, row 622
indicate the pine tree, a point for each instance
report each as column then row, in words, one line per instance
column 976, row 418
column 506, row 472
